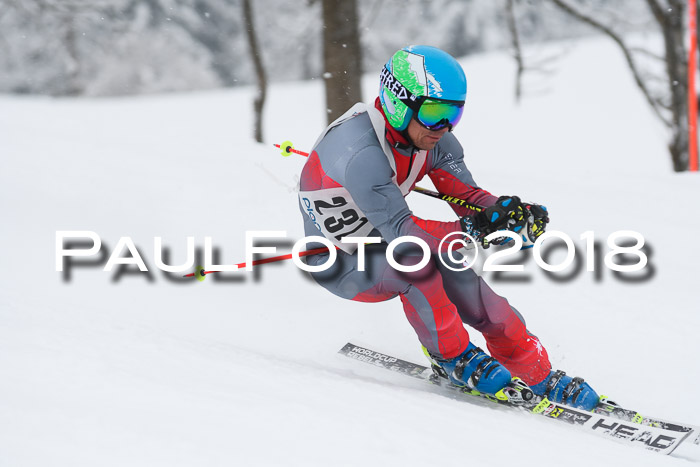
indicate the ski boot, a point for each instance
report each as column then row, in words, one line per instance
column 480, row 375
column 574, row 392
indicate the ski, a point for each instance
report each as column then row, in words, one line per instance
column 622, row 425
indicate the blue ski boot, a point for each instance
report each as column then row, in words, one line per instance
column 574, row 392
column 479, row 374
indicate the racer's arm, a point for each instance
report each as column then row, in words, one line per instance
column 450, row 176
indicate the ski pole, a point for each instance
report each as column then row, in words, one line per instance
column 449, row 199
column 287, row 149
column 200, row 272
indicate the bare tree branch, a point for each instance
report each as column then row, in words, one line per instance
column 625, row 50
column 517, row 51
column 648, row 53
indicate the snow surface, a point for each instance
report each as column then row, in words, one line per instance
column 145, row 369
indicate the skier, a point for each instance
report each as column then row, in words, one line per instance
column 354, row 184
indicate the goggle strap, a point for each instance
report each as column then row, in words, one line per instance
column 388, row 80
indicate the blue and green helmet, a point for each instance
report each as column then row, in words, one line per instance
column 424, row 83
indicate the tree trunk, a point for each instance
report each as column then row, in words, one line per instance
column 341, row 56
column 255, row 54
column 670, row 18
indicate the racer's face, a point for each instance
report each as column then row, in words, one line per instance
column 423, row 138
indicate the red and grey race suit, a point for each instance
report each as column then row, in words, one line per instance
column 354, row 184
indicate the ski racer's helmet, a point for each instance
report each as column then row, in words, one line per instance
column 424, row 83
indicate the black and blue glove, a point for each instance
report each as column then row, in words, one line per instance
column 539, row 220
column 508, row 213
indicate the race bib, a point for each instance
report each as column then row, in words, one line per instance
column 336, row 215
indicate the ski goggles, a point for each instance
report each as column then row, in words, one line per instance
column 435, row 114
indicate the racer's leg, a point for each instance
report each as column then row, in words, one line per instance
column 504, row 329
column 433, row 316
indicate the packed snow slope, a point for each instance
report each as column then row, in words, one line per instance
column 109, row 368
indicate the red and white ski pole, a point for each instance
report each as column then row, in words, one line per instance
column 200, row 272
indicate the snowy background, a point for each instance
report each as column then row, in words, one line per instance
column 145, row 369
column 126, row 47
